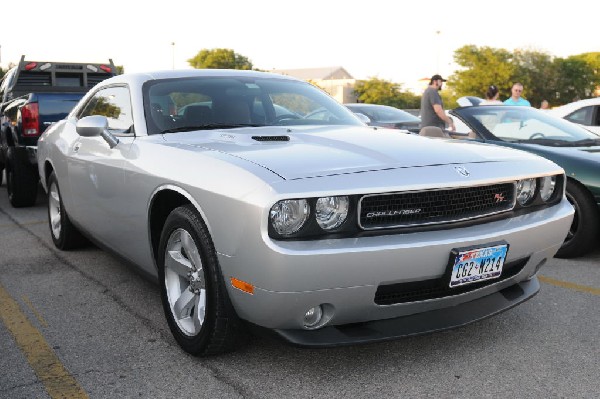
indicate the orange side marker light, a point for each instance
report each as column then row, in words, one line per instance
column 242, row 286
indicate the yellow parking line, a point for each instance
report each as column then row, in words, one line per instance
column 34, row 311
column 42, row 359
column 571, row 286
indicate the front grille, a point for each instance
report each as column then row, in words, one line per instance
column 435, row 206
column 413, row 291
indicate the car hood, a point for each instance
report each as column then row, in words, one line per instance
column 301, row 152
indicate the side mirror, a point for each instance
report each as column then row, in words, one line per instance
column 96, row 125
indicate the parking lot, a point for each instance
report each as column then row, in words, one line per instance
column 85, row 324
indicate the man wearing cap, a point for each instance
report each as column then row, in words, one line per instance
column 432, row 107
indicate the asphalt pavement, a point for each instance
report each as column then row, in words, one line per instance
column 85, row 324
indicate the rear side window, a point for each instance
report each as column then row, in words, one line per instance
column 115, row 104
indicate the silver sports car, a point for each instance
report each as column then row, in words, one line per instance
column 258, row 201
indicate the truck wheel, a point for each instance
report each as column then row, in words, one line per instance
column 21, row 180
column 1, row 173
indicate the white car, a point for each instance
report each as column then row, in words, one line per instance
column 583, row 112
column 322, row 230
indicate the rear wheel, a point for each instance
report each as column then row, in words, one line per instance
column 64, row 235
column 585, row 228
column 21, row 180
column 193, row 293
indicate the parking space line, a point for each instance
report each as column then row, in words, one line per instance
column 59, row 383
column 571, row 286
column 34, row 311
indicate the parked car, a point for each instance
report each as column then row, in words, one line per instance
column 583, row 112
column 386, row 116
column 33, row 95
column 569, row 145
column 317, row 230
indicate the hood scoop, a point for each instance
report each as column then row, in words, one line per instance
column 271, row 138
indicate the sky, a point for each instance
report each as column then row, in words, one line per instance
column 399, row 41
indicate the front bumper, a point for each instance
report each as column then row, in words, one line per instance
column 415, row 324
column 343, row 275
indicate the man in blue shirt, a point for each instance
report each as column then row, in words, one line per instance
column 516, row 98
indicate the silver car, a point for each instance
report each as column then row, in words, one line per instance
column 321, row 230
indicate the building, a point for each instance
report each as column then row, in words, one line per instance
column 334, row 80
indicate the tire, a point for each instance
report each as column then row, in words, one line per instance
column 193, row 293
column 1, row 173
column 21, row 180
column 584, row 231
column 64, row 235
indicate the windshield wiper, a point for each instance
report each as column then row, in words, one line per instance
column 585, row 142
column 209, row 126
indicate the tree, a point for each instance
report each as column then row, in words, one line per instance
column 219, row 58
column 482, row 67
column 379, row 91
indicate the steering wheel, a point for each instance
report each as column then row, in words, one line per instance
column 284, row 117
column 537, row 135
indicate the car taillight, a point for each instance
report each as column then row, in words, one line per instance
column 30, row 119
column 106, row 68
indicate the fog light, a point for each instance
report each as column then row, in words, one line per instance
column 313, row 316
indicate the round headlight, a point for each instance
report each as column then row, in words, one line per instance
column 288, row 216
column 331, row 212
column 547, row 187
column 525, row 191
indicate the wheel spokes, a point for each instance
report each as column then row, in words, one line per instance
column 184, row 305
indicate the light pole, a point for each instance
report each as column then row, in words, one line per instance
column 173, row 53
column 437, row 52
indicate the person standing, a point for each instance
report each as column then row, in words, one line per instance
column 544, row 105
column 515, row 98
column 491, row 96
column 432, row 107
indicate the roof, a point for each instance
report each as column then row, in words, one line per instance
column 326, row 73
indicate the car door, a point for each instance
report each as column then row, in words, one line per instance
column 96, row 171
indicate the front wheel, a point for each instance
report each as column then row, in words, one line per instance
column 585, row 228
column 193, row 293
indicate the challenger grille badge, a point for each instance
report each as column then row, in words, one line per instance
column 462, row 171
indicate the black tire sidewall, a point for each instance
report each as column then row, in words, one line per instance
column 588, row 217
column 186, row 218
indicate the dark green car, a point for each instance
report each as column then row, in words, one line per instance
column 571, row 146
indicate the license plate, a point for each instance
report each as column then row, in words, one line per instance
column 478, row 264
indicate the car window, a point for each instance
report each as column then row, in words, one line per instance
column 228, row 102
column 582, row 116
column 521, row 123
column 115, row 104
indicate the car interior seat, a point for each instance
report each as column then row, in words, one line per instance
column 232, row 111
column 433, row 131
column 198, row 115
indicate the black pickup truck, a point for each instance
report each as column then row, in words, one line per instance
column 33, row 95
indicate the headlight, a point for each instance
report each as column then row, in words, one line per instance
column 288, row 216
column 525, row 191
column 547, row 187
column 331, row 212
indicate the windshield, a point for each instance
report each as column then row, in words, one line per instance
column 198, row 103
column 524, row 124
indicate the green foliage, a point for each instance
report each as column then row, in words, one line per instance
column 120, row 69
column 482, row 66
column 219, row 58
column 544, row 77
column 379, row 91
